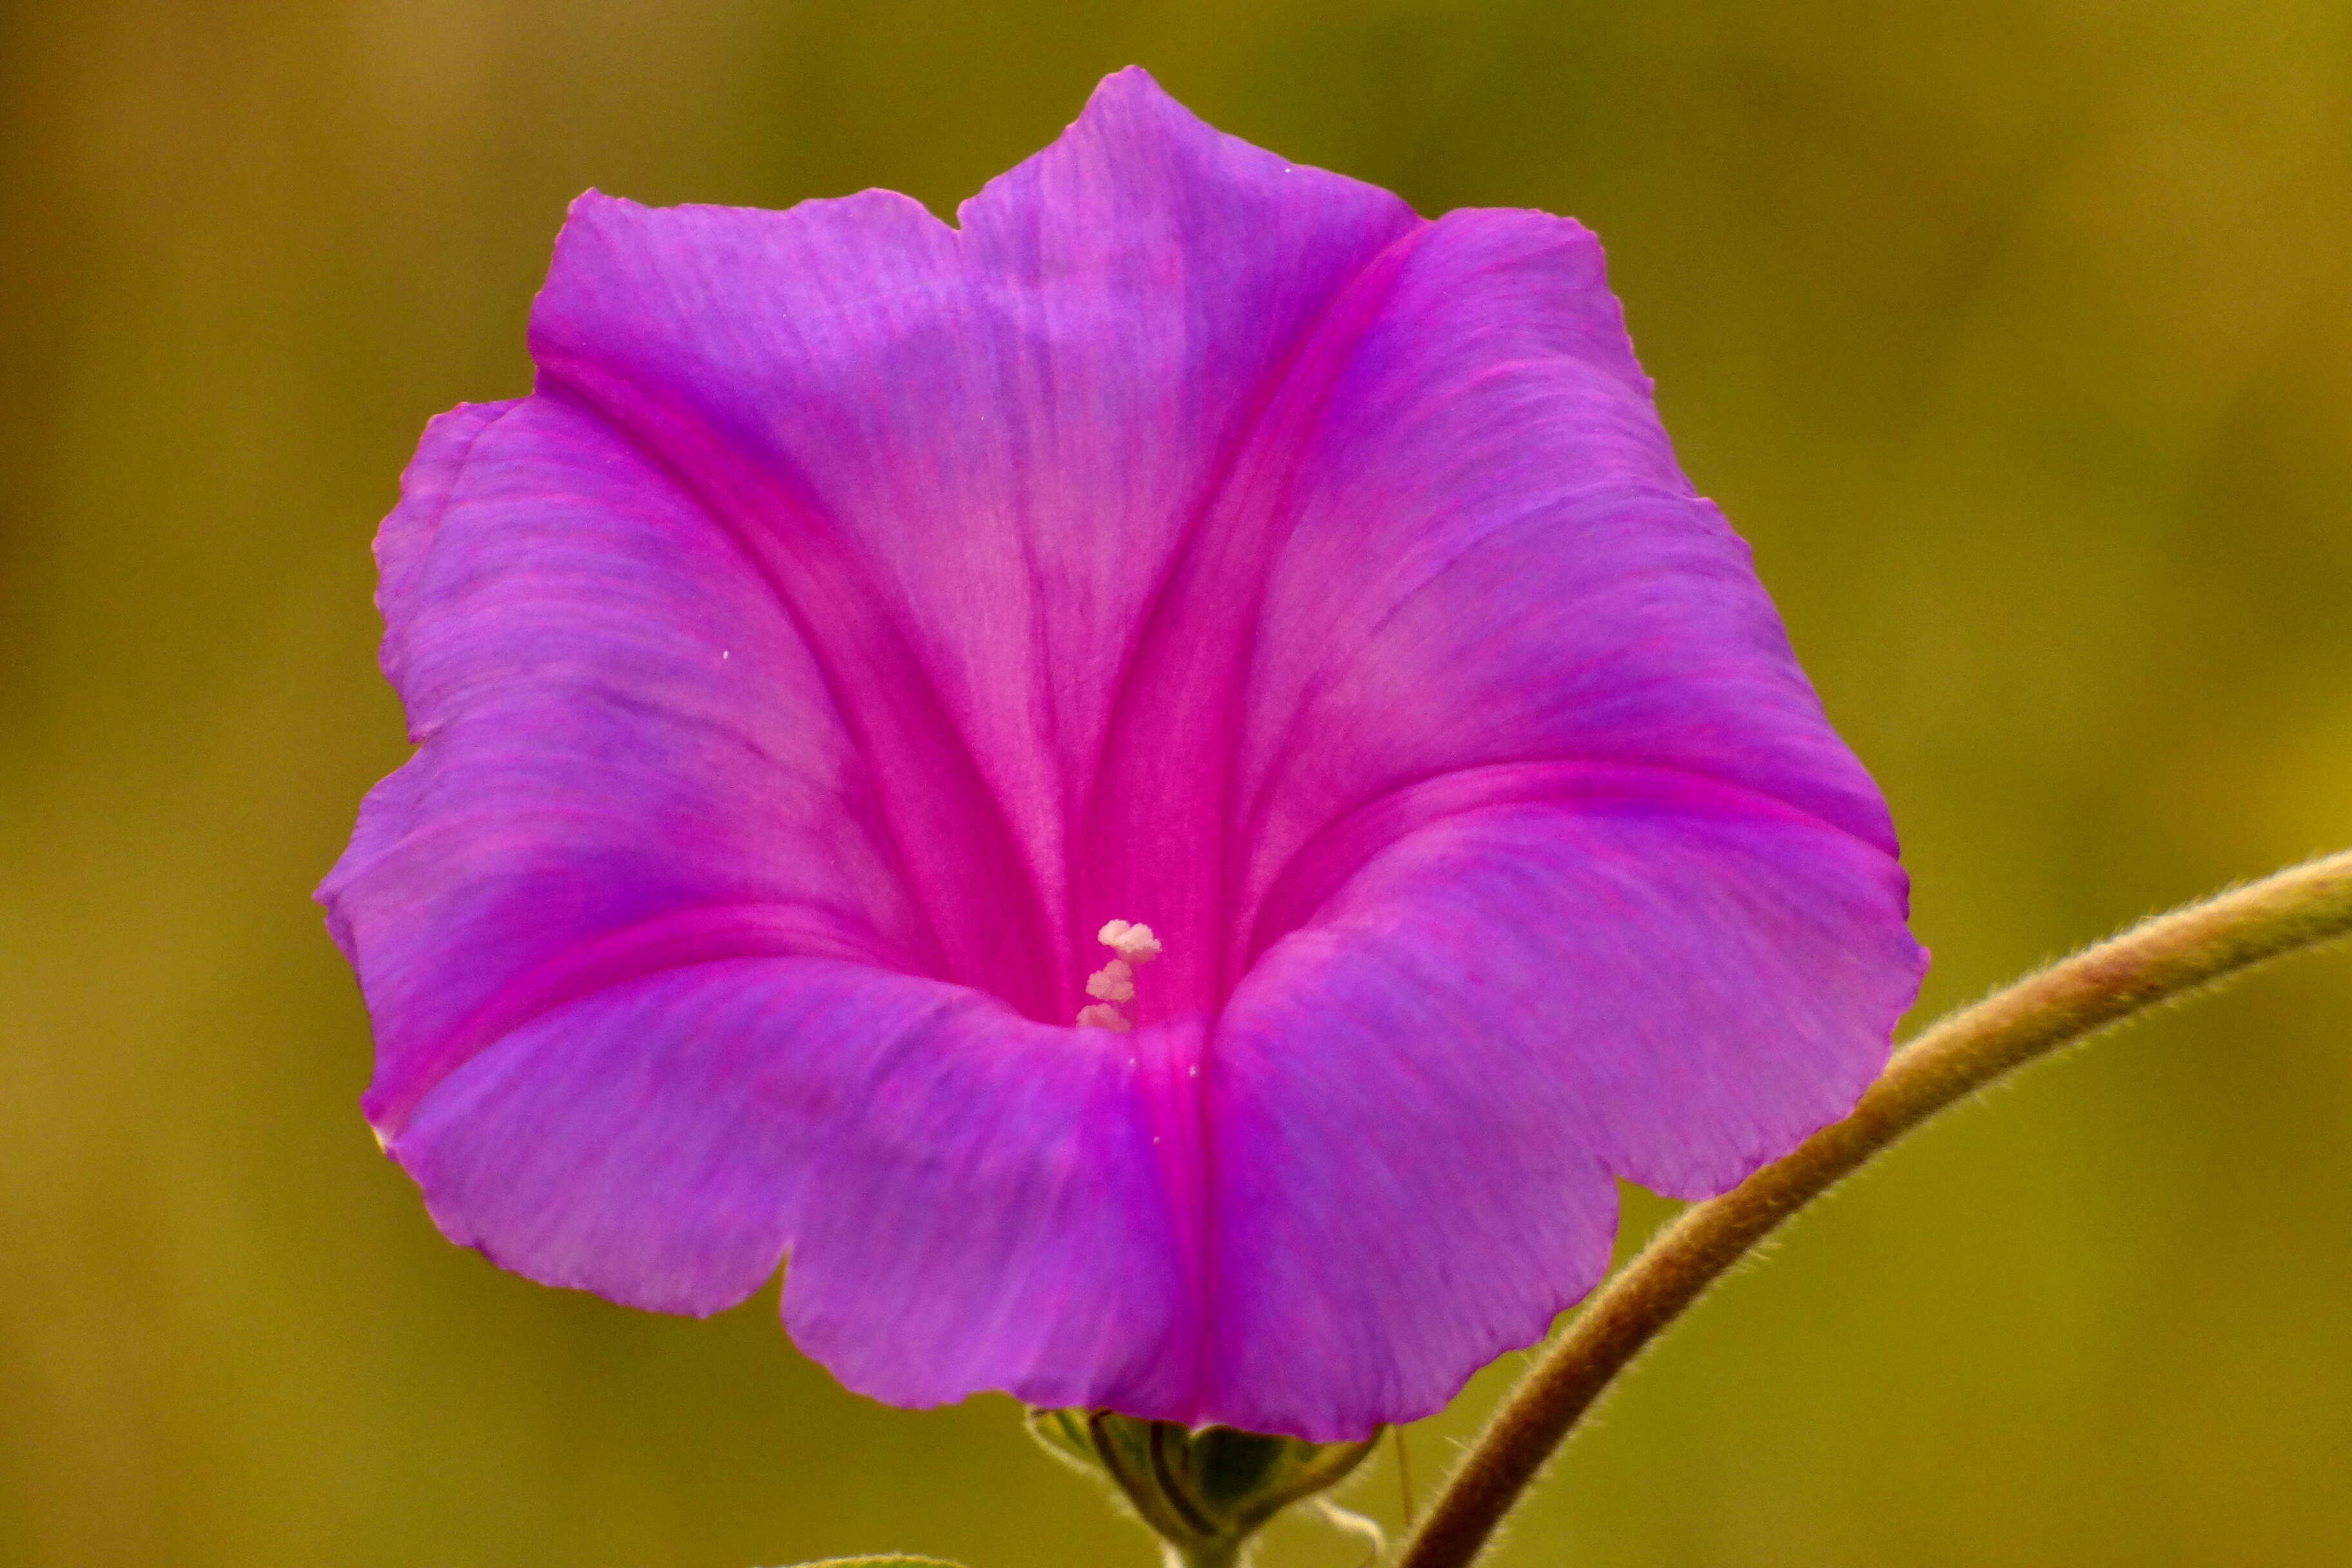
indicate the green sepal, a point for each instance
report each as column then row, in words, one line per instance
column 1203, row 1493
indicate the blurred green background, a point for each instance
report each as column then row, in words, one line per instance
column 2016, row 334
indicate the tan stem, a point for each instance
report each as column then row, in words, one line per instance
column 2154, row 961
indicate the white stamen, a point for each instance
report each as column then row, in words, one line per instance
column 1115, row 981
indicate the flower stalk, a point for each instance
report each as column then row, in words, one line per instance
column 2160, row 960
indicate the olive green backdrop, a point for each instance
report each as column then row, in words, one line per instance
column 2015, row 333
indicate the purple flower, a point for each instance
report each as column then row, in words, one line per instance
column 862, row 613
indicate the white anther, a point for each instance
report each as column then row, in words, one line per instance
column 1113, row 982
column 1102, row 1015
column 1134, row 944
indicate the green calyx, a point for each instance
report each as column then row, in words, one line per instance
column 1204, row 1492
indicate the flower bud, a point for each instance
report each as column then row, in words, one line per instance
column 1204, row 1492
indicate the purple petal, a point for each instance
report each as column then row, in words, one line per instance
column 970, row 1199
column 1566, row 974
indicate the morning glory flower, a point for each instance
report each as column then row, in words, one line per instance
column 1155, row 792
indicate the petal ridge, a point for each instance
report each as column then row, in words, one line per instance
column 1322, row 350
column 837, row 576
column 660, row 944
column 1319, row 868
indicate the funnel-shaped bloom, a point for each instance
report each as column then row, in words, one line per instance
column 862, row 613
